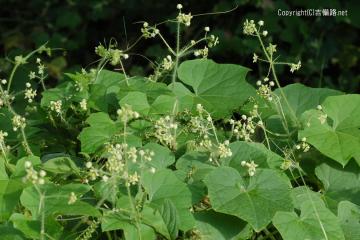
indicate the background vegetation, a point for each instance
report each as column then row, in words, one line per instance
column 328, row 45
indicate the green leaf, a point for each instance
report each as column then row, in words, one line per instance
column 162, row 158
column 104, row 90
column 302, row 98
column 339, row 136
column 115, row 221
column 171, row 218
column 219, row 87
column 154, row 218
column 256, row 201
column 101, row 129
column 339, row 183
column 164, row 185
column 7, row 232
column 349, row 216
column 56, row 200
column 168, row 104
column 212, row 225
column 251, row 151
column 10, row 191
column 60, row 165
column 315, row 222
column 138, row 102
column 32, row 228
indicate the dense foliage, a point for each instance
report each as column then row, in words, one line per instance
column 194, row 150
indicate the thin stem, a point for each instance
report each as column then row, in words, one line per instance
column 12, row 75
column 177, row 54
column 167, row 45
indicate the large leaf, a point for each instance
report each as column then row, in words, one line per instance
column 339, row 183
column 315, row 222
column 251, row 151
column 219, row 87
column 114, row 221
column 302, row 98
column 256, row 201
column 57, row 200
column 164, row 185
column 101, row 129
column 138, row 102
column 349, row 216
column 339, row 136
column 212, row 225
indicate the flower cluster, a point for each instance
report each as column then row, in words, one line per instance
column 202, row 52
column 83, row 104
column 3, row 146
column 165, row 131
column 126, row 113
column 167, row 63
column 117, row 157
column 245, row 127
column 222, row 150
column 212, row 41
column 304, row 146
column 202, row 125
column 323, row 116
column 251, row 167
column 30, row 93
column 18, row 122
column 184, row 19
column 33, row 176
column 5, row 97
column 56, row 106
column 295, row 66
column 148, row 31
column 72, row 198
column 249, row 27
column 264, row 88
column 111, row 54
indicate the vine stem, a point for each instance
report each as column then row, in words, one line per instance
column 22, row 129
column 133, row 207
column 271, row 62
column 177, row 54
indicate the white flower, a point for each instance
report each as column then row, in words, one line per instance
column 179, row 6
column 207, row 29
column 83, row 104
column 265, row 33
column 28, row 164
column 42, row 173
column 105, row 178
column 72, row 198
column 261, row 23
column 152, row 170
column 255, row 58
column 3, row 81
column 319, row 107
column 56, row 106
column 88, row 164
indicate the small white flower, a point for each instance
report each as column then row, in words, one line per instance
column 38, row 60
column 105, row 178
column 3, row 81
column 28, row 85
column 207, row 29
column 88, row 164
column 152, row 170
column 271, row 83
column 265, row 33
column 28, row 164
column 179, row 6
column 261, row 23
column 126, row 56
column 258, row 83
column 42, row 173
column 303, row 139
column 319, row 107
column 41, row 181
